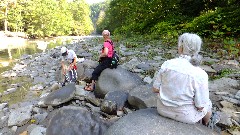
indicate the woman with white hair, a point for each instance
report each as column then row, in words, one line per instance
column 183, row 86
column 105, row 60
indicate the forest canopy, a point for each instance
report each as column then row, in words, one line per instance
column 42, row 18
column 208, row 18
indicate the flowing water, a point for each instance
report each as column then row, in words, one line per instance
column 11, row 49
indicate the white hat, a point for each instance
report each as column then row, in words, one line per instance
column 63, row 50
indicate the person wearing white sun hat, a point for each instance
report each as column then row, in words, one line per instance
column 69, row 69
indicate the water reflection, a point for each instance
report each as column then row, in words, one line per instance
column 12, row 48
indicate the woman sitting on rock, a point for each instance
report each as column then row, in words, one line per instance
column 105, row 60
column 183, row 86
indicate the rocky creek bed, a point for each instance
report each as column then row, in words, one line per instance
column 122, row 103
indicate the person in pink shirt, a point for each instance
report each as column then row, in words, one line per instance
column 105, row 59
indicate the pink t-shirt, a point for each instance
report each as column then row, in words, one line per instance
column 110, row 48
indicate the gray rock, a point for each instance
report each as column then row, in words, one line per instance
column 55, row 86
column 223, row 84
column 85, row 55
column 91, row 98
column 20, row 116
column 11, row 90
column 3, row 105
column 116, row 79
column 80, row 91
column 76, row 121
column 6, row 131
column 109, row 107
column 93, row 108
column 236, row 96
column 232, row 100
column 38, row 130
column 148, row 80
column 85, row 69
column 142, row 97
column 119, row 97
column 225, row 119
column 149, row 122
column 208, row 69
column 219, row 67
column 144, row 66
column 60, row 96
column 39, row 117
column 3, row 121
column 87, row 74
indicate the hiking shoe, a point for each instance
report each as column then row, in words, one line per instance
column 63, row 84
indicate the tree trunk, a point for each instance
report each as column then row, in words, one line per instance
column 5, row 19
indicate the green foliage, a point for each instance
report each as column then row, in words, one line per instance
column 224, row 73
column 44, row 18
column 232, row 47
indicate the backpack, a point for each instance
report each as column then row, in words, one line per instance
column 115, row 57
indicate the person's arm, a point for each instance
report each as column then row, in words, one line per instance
column 201, row 97
column 104, row 53
column 73, row 63
column 157, row 83
column 63, row 66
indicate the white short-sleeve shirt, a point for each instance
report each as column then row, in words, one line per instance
column 69, row 57
column 180, row 83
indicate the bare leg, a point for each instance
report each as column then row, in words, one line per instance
column 206, row 118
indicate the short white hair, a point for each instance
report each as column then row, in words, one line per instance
column 106, row 32
column 191, row 43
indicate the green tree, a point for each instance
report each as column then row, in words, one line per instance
column 5, row 6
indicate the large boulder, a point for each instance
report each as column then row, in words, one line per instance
column 76, row 121
column 60, row 96
column 85, row 69
column 149, row 122
column 116, row 79
column 142, row 97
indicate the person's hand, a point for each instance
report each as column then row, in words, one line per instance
column 71, row 66
column 199, row 108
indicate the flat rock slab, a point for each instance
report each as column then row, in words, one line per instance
column 60, row 96
column 20, row 116
column 149, row 122
column 76, row 121
column 142, row 97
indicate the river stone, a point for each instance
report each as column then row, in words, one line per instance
column 3, row 105
column 76, row 121
column 85, row 69
column 144, row 66
column 142, row 97
column 116, row 79
column 20, row 116
column 38, row 130
column 224, row 84
column 87, row 75
column 60, row 96
column 109, row 107
column 119, row 97
column 149, row 122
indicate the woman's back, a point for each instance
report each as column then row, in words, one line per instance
column 178, row 79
